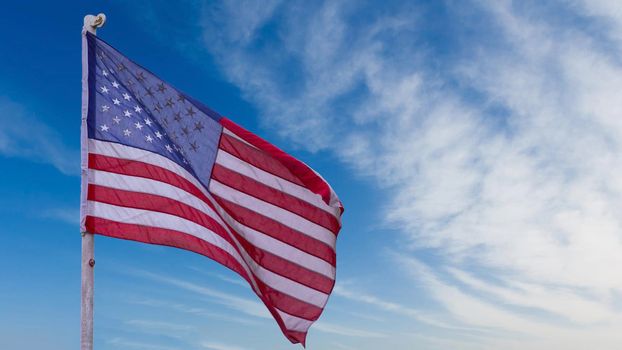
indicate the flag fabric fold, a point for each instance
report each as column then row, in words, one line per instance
column 165, row 169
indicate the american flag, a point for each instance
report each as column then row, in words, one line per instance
column 165, row 169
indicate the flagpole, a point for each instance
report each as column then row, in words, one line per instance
column 91, row 23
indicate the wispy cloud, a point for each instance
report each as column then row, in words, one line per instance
column 26, row 136
column 519, row 181
column 187, row 309
column 342, row 346
column 232, row 280
column 507, row 326
column 502, row 157
column 245, row 306
column 388, row 306
column 332, row 328
column 564, row 302
column 171, row 329
column 221, row 346
column 466, row 308
column 67, row 215
column 130, row 344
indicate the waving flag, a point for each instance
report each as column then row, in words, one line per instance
column 165, row 169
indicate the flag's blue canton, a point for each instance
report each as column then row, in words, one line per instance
column 131, row 106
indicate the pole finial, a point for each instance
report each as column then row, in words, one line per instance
column 92, row 22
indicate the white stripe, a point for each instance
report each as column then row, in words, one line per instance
column 116, row 150
column 294, row 323
column 233, row 163
column 334, row 200
column 230, row 133
column 172, row 222
column 223, row 158
column 278, row 282
column 283, row 250
column 293, row 288
column 162, row 220
column 256, row 238
column 273, row 212
column 124, row 152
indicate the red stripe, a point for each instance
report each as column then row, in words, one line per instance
column 273, row 298
column 289, row 269
column 267, row 226
column 300, row 170
column 289, row 304
column 166, row 205
column 278, row 231
column 161, row 236
column 256, row 157
column 268, row 194
column 297, row 337
column 157, row 235
column 160, row 204
column 144, row 170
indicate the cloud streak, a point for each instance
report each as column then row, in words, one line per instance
column 188, row 309
column 221, row 346
column 502, row 158
column 332, row 328
column 26, row 136
column 129, row 344
column 245, row 306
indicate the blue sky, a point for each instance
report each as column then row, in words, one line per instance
column 475, row 145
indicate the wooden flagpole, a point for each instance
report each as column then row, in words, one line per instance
column 91, row 23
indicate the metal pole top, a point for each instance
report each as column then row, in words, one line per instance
column 92, row 22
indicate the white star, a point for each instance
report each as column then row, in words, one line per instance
column 105, row 108
column 148, row 122
column 139, row 126
column 127, row 132
column 116, row 119
column 104, row 73
column 104, row 127
column 116, row 101
column 104, row 89
column 149, row 138
column 126, row 96
column 127, row 113
column 115, row 84
column 158, row 135
column 137, row 109
column 169, row 148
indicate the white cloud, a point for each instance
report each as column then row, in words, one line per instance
column 469, row 309
column 232, row 280
column 510, row 329
column 23, row 135
column 187, row 309
column 161, row 327
column 243, row 305
column 67, row 215
column 560, row 301
column 337, row 329
column 608, row 13
column 388, row 306
column 123, row 343
column 503, row 158
column 221, row 346
column 528, row 194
